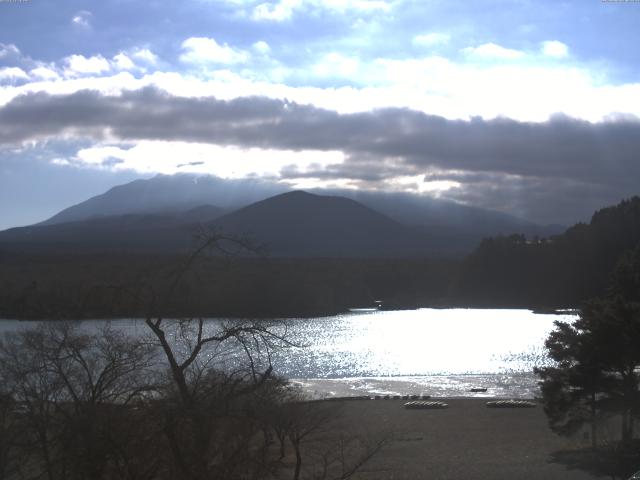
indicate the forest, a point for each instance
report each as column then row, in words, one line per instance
column 512, row 271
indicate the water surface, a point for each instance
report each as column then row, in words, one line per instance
column 443, row 352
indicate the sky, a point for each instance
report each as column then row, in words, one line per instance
column 527, row 107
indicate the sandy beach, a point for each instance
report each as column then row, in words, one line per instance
column 467, row 440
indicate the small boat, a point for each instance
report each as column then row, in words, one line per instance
column 511, row 404
column 367, row 309
column 420, row 405
column 479, row 390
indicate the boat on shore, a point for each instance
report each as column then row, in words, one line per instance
column 378, row 306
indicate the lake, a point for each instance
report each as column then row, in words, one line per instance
column 441, row 352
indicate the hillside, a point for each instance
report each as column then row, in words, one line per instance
column 291, row 224
column 563, row 270
column 448, row 228
column 158, row 233
column 303, row 224
column 167, row 194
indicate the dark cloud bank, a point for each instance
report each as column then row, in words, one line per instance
column 556, row 171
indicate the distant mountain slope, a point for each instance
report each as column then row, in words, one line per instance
column 169, row 232
column 290, row 224
column 449, row 227
column 167, row 194
column 448, row 216
column 303, row 224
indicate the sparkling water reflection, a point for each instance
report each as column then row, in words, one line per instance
column 443, row 352
column 418, row 342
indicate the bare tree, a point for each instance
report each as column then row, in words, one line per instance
column 217, row 370
column 192, row 399
column 72, row 388
column 321, row 448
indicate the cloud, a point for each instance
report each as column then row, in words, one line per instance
column 145, row 55
column 431, row 39
column 82, row 19
column 123, row 62
column 278, row 11
column 9, row 50
column 283, row 10
column 334, row 64
column 160, row 156
column 199, row 50
column 12, row 74
column 492, row 51
column 432, row 84
column 360, row 6
column 81, row 65
column 261, row 47
column 44, row 73
column 554, row 48
column 357, row 73
column 518, row 167
column 190, row 164
column 411, row 140
column 97, row 65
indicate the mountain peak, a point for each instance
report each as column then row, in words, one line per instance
column 299, row 223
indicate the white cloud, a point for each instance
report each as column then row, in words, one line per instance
column 80, row 65
column 335, row 64
column 431, row 39
column 123, row 62
column 492, row 51
column 82, row 19
column 63, row 162
column 44, row 73
column 417, row 184
column 207, row 50
column 226, row 162
column 283, row 10
column 357, row 5
column 169, row 157
column 13, row 73
column 261, row 47
column 277, row 12
column 530, row 90
column 9, row 50
column 554, row 48
column 145, row 55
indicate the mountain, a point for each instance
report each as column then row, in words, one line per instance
column 449, row 227
column 159, row 233
column 290, row 224
column 303, row 224
column 168, row 194
column 428, row 212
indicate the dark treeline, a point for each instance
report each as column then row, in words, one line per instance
column 508, row 271
column 562, row 271
column 102, row 286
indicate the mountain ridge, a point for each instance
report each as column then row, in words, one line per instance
column 290, row 224
column 451, row 227
column 299, row 223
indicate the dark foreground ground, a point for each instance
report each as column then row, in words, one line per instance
column 465, row 441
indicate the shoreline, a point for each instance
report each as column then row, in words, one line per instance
column 516, row 385
column 303, row 315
